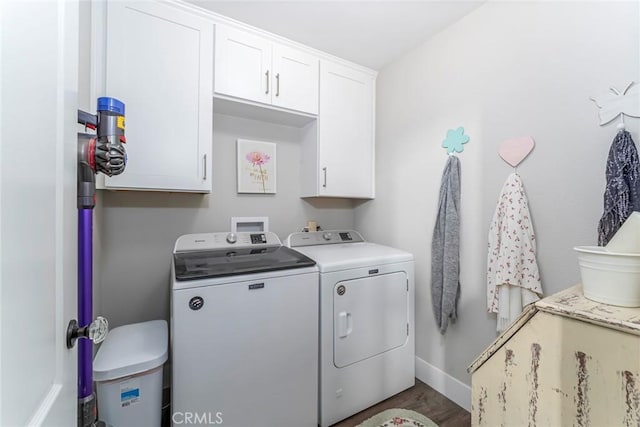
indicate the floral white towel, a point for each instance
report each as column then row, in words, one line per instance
column 513, row 278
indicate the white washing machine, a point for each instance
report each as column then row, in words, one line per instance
column 367, row 342
column 244, row 332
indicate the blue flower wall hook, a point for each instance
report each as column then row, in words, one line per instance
column 454, row 140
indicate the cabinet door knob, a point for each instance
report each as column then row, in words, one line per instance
column 267, row 75
column 278, row 84
column 324, row 171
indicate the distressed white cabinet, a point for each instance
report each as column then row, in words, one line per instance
column 159, row 62
column 565, row 361
column 253, row 68
column 340, row 161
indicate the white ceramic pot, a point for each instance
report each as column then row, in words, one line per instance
column 610, row 277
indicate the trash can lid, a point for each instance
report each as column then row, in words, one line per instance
column 131, row 349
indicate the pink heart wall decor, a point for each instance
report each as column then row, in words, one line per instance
column 514, row 151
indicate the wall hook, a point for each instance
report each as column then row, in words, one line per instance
column 618, row 103
column 515, row 150
column 454, row 140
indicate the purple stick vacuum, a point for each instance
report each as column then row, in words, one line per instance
column 85, row 300
column 103, row 152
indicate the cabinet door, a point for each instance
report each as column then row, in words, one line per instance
column 345, row 134
column 295, row 79
column 243, row 65
column 160, row 64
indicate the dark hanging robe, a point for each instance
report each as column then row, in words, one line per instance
column 445, row 247
column 622, row 191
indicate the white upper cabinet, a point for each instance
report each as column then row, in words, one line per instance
column 252, row 68
column 243, row 64
column 296, row 79
column 158, row 59
column 340, row 161
column 159, row 62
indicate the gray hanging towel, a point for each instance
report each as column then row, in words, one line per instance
column 445, row 247
column 622, row 191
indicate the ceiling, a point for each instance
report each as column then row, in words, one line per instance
column 370, row 33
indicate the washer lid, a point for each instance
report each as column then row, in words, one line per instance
column 231, row 262
column 131, row 349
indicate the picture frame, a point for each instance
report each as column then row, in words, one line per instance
column 256, row 164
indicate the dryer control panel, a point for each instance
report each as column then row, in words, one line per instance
column 327, row 237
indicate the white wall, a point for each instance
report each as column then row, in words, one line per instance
column 138, row 229
column 507, row 69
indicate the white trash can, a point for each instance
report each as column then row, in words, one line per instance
column 128, row 373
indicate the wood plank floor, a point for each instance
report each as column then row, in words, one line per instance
column 420, row 398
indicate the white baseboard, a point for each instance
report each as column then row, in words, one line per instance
column 444, row 383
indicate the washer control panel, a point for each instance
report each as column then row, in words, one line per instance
column 327, row 237
column 206, row 241
column 258, row 238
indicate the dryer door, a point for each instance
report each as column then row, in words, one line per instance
column 369, row 317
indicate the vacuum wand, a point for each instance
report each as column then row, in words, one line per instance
column 103, row 152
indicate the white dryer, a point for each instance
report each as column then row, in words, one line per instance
column 367, row 341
